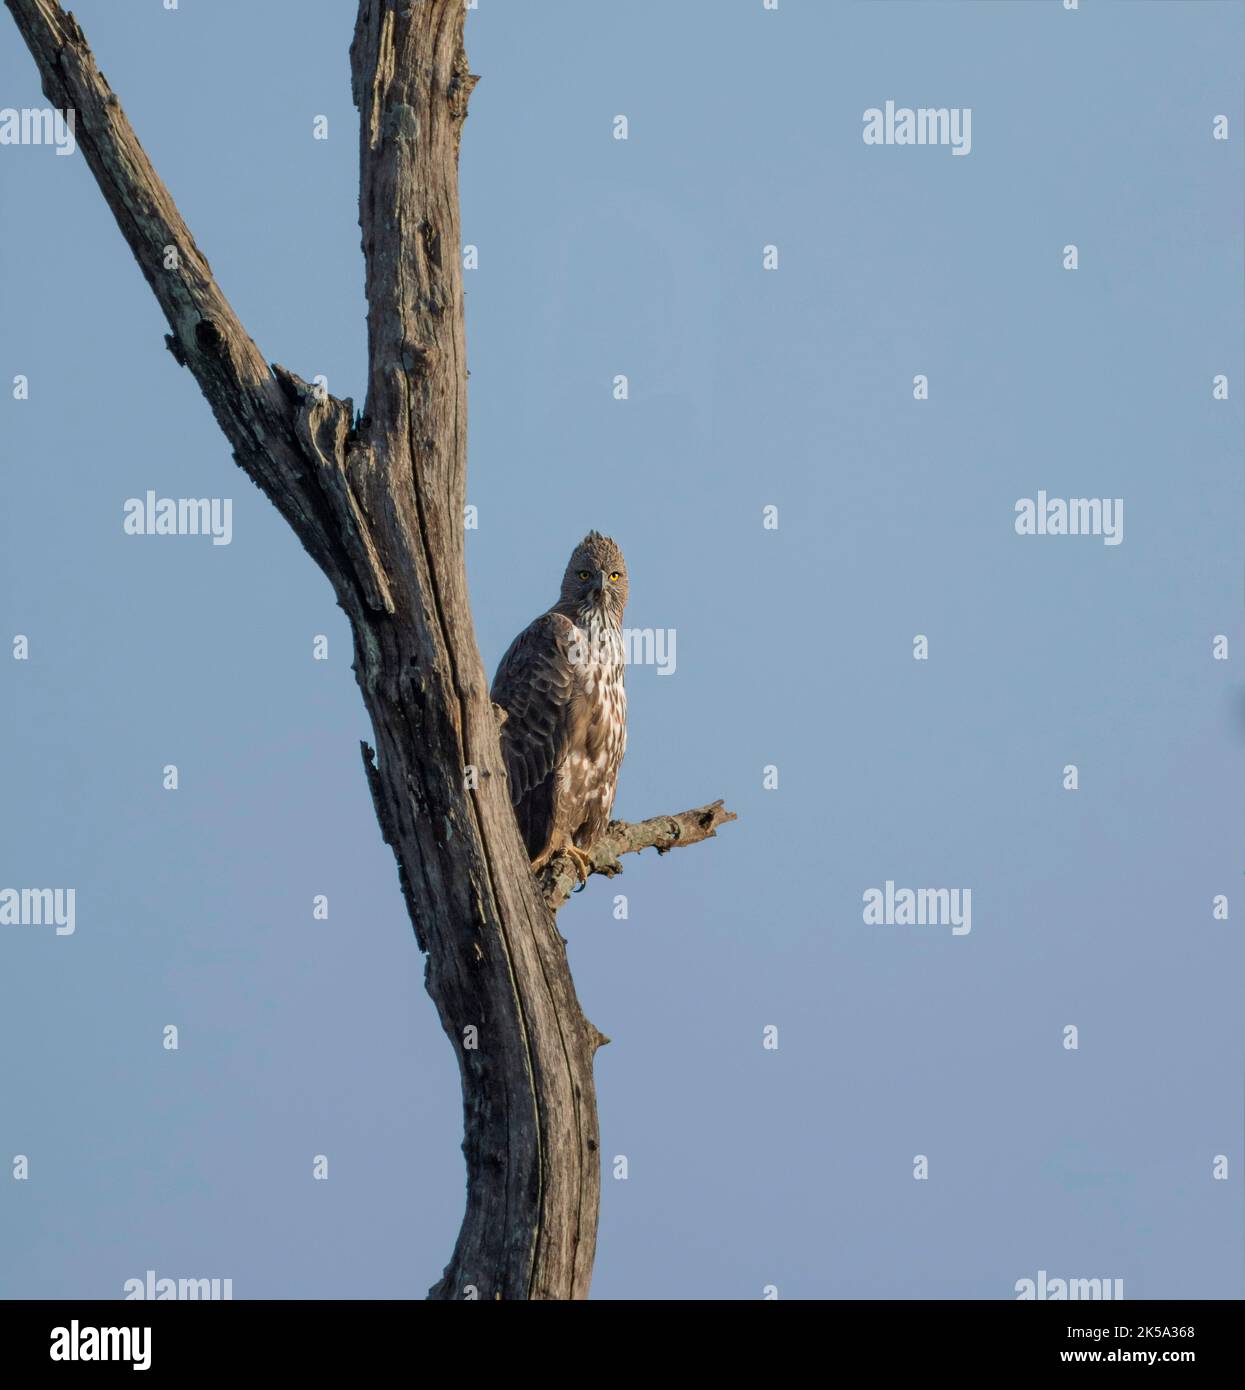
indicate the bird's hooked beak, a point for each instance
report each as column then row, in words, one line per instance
column 599, row 586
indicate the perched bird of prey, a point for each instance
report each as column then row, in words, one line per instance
column 561, row 687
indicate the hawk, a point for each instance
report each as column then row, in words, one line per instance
column 560, row 684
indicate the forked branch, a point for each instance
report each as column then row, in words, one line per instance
column 379, row 507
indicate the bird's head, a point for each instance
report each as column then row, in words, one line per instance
column 596, row 579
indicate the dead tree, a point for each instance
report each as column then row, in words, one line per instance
column 378, row 503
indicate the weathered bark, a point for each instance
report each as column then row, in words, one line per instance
column 379, row 506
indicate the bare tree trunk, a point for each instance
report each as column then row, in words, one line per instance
column 380, row 508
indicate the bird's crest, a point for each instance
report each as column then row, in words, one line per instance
column 603, row 547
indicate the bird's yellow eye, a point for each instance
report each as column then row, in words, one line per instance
column 583, row 574
column 615, row 577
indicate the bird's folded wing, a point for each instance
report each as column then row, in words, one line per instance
column 534, row 684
